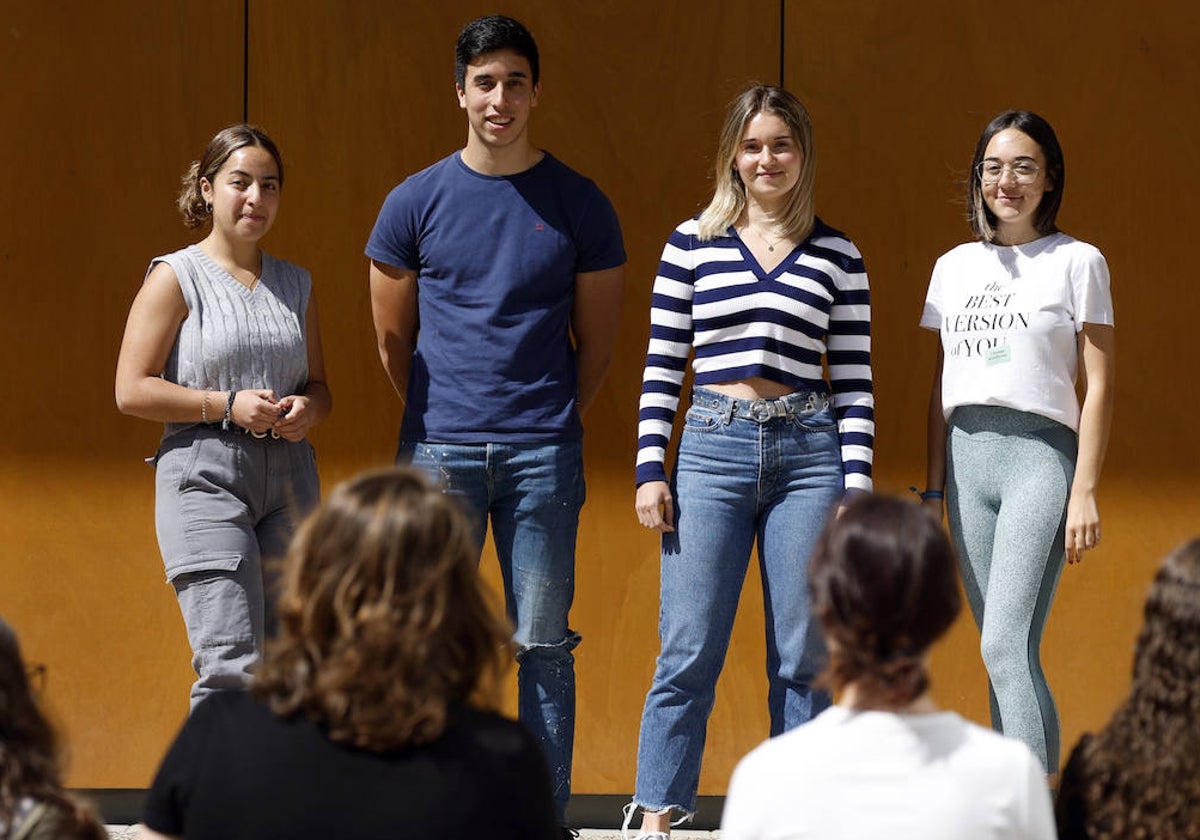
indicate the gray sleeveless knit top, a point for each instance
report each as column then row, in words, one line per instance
column 234, row 337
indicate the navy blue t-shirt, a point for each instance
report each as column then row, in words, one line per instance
column 496, row 258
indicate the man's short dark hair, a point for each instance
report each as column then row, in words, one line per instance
column 490, row 34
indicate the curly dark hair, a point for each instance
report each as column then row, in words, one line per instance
column 884, row 583
column 29, row 763
column 1140, row 776
column 384, row 623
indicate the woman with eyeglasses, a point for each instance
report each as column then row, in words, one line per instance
column 33, row 803
column 222, row 346
column 762, row 294
column 1023, row 312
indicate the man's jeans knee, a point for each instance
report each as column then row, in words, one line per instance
column 531, row 494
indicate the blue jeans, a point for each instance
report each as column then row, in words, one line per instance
column 740, row 476
column 532, row 494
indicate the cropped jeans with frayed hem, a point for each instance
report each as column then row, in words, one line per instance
column 737, row 480
column 532, row 495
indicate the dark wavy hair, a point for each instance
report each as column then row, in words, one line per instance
column 384, row 622
column 29, row 762
column 884, row 583
column 191, row 203
column 982, row 219
column 1140, row 775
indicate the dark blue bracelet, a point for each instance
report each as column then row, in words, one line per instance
column 928, row 494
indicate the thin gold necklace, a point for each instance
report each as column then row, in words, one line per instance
column 770, row 245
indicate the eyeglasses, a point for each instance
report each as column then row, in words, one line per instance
column 991, row 171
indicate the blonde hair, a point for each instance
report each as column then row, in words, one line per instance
column 384, row 623
column 729, row 194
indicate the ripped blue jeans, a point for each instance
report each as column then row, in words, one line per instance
column 532, row 495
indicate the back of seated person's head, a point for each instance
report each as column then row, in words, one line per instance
column 1141, row 773
column 28, row 752
column 884, row 583
column 384, row 623
column 29, row 761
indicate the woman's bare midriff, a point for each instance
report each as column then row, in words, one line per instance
column 755, row 388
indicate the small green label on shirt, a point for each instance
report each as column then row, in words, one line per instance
column 999, row 355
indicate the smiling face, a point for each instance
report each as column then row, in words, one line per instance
column 244, row 194
column 498, row 93
column 768, row 160
column 1012, row 203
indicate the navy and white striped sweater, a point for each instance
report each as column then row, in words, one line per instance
column 714, row 299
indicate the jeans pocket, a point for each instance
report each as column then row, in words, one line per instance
column 699, row 419
column 823, row 420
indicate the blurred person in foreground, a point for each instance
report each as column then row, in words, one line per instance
column 369, row 717
column 33, row 804
column 884, row 760
column 1140, row 775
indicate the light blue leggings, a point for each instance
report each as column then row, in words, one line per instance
column 1008, row 477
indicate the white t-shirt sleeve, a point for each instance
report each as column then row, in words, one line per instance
column 931, row 316
column 1090, row 287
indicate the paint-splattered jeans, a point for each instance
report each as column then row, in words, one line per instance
column 532, row 493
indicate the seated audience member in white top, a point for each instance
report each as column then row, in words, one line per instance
column 884, row 761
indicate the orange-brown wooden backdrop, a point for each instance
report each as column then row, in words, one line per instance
column 103, row 107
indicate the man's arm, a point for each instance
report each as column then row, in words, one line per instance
column 394, row 311
column 595, row 320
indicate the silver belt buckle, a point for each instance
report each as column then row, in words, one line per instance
column 763, row 410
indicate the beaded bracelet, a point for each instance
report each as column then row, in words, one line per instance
column 928, row 494
column 228, row 411
column 204, row 408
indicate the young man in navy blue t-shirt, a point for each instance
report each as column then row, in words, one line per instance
column 496, row 284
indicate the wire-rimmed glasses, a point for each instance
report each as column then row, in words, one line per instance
column 991, row 171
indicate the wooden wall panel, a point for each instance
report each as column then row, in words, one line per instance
column 103, row 108
column 361, row 95
column 899, row 95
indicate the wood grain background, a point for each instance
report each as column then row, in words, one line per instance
column 103, row 107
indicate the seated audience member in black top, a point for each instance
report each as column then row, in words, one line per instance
column 1139, row 777
column 368, row 717
column 33, row 804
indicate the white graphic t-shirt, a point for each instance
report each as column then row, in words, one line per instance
column 1008, row 318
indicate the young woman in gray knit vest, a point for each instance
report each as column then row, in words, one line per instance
column 222, row 346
